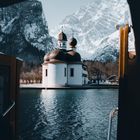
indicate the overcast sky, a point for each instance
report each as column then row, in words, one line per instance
column 57, row 10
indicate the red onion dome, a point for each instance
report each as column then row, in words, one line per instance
column 46, row 58
column 72, row 42
column 57, row 55
column 73, row 56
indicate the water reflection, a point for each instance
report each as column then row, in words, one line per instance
column 66, row 114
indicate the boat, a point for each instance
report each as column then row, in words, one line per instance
column 129, row 80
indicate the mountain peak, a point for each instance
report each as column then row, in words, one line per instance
column 94, row 26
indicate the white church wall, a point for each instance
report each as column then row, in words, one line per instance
column 76, row 79
column 44, row 76
column 56, row 75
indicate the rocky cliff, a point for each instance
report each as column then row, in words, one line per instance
column 24, row 31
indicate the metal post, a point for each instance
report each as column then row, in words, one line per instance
column 111, row 116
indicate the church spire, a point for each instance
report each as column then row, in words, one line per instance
column 62, row 39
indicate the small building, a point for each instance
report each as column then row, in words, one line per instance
column 63, row 67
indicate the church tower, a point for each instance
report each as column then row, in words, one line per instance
column 62, row 40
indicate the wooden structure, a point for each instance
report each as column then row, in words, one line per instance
column 129, row 81
column 9, row 90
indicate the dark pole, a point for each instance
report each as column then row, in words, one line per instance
column 129, row 86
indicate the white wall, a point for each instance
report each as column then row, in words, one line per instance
column 44, row 77
column 77, row 79
column 56, row 75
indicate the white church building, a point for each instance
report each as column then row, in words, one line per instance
column 63, row 67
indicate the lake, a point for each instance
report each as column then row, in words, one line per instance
column 66, row 114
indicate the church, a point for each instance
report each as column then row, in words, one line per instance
column 63, row 66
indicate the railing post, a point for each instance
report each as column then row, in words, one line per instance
column 111, row 116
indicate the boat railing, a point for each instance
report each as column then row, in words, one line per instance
column 8, row 109
column 112, row 114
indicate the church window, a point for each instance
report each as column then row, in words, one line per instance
column 65, row 72
column 72, row 72
column 46, row 72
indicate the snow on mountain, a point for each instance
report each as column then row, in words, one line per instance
column 24, row 31
column 94, row 26
column 107, row 49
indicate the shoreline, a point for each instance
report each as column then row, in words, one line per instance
column 39, row 86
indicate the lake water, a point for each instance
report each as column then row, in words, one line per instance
column 66, row 114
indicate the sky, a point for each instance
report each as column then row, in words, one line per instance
column 56, row 10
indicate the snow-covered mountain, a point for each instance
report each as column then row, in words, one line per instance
column 24, row 31
column 94, row 26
